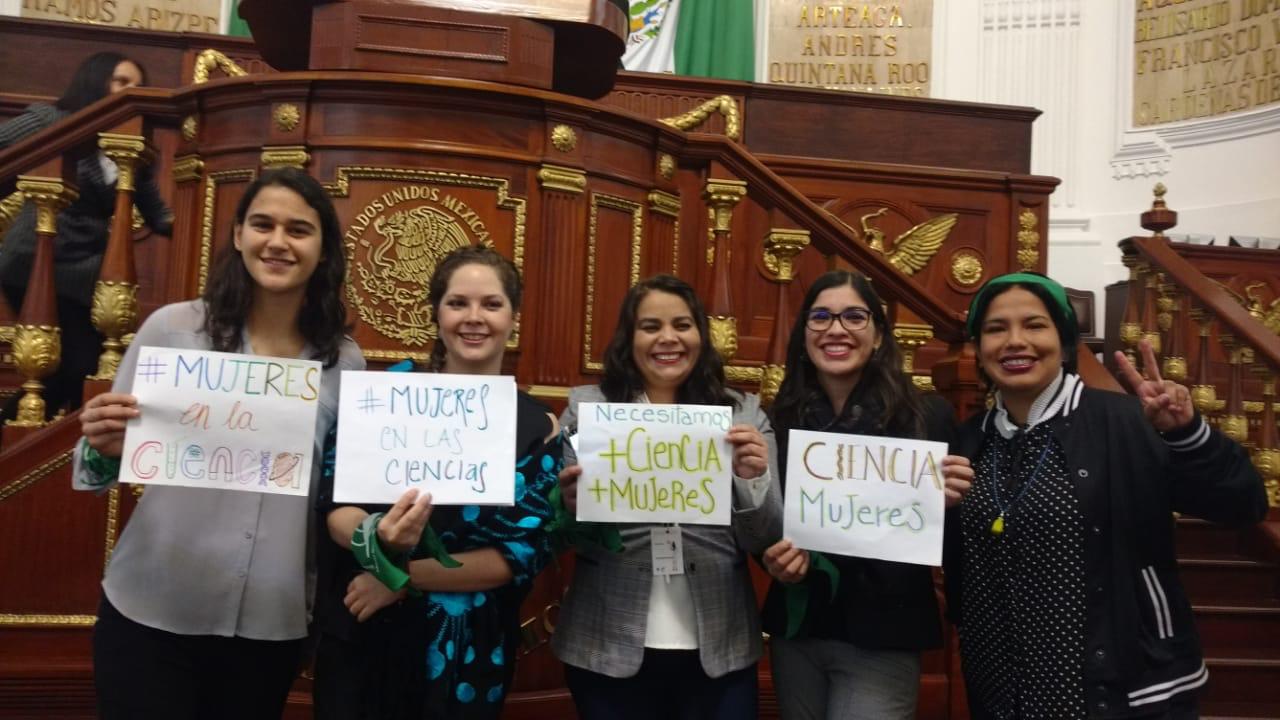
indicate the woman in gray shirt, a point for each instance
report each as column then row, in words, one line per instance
column 208, row 593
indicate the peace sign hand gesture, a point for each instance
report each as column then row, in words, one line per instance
column 1166, row 403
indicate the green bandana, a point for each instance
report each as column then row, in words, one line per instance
column 364, row 545
column 797, row 594
column 1055, row 290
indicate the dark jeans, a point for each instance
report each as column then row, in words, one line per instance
column 142, row 673
column 671, row 685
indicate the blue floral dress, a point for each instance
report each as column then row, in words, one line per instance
column 441, row 655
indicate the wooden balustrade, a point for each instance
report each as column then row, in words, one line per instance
column 1236, row 354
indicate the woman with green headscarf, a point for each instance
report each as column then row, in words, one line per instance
column 1060, row 563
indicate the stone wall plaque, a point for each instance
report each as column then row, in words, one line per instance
column 869, row 47
column 1203, row 58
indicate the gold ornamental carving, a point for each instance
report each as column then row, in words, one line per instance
column 1235, row 427
column 50, row 195
column 10, row 206
column 1028, row 241
column 207, row 213
column 35, row 475
column 1205, row 398
column 190, row 128
column 188, row 168
column 37, row 352
column 722, row 104
column 564, row 138
column 286, row 116
column 721, row 196
column 115, row 314
column 781, row 246
column 285, row 156
column 771, row 377
column 564, row 179
column 666, row 166
column 966, row 268
column 913, row 249
column 211, row 59
column 664, row 203
column 396, row 239
column 636, row 211
column 724, row 336
column 125, row 151
column 743, row 374
column 1253, row 299
column 1174, row 368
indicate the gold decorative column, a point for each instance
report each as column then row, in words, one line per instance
column 1131, row 326
column 722, row 196
column 115, row 295
column 1174, row 365
column 780, row 249
column 37, row 339
column 1203, row 394
column 911, row 338
column 1235, row 424
column 1267, row 457
column 1150, row 319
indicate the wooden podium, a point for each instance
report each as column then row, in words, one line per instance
column 569, row 46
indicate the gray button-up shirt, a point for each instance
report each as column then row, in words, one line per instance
column 201, row 561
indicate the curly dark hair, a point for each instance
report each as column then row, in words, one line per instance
column 512, row 286
column 92, row 80
column 622, row 380
column 902, row 411
column 228, row 296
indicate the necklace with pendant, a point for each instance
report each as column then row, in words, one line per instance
column 997, row 525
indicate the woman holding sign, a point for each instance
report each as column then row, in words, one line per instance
column 207, row 597
column 1061, row 571
column 420, row 619
column 846, row 632
column 642, row 634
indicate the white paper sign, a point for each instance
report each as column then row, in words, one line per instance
column 646, row 463
column 865, row 496
column 222, row 420
column 453, row 436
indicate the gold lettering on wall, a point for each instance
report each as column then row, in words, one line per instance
column 868, row 47
column 166, row 15
column 1203, row 58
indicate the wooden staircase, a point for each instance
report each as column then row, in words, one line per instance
column 1233, row 580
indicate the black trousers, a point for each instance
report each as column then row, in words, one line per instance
column 141, row 673
column 671, row 685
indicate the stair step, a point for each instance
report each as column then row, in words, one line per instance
column 1239, row 632
column 1202, row 539
column 1241, row 688
column 1230, row 582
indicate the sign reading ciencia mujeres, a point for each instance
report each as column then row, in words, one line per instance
column 865, row 496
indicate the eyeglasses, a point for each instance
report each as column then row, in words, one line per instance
column 853, row 319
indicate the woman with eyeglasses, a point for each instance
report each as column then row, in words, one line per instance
column 845, row 632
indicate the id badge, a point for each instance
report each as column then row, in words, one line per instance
column 668, row 550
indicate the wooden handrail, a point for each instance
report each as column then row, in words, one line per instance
column 1226, row 311
column 78, row 132
column 828, row 234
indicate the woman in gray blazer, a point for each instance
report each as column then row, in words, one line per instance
column 634, row 644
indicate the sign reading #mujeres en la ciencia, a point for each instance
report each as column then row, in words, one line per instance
column 453, row 436
column 644, row 463
column 222, row 420
column 865, row 496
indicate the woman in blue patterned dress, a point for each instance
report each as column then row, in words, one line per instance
column 441, row 643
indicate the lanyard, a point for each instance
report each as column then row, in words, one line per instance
column 997, row 525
